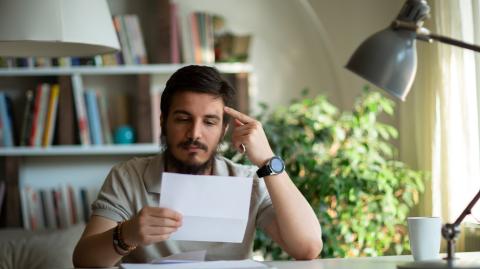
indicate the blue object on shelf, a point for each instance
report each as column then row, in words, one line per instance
column 124, row 135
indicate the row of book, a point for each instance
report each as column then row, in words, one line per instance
column 197, row 37
column 39, row 117
column 56, row 207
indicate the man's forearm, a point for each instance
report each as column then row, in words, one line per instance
column 96, row 251
column 298, row 226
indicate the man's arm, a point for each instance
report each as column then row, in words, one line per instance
column 95, row 248
column 296, row 228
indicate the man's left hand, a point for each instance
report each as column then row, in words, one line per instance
column 249, row 132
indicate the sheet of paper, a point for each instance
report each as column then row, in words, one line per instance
column 241, row 264
column 214, row 208
column 191, row 256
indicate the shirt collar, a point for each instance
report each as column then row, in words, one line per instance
column 153, row 172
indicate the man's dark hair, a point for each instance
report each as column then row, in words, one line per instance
column 200, row 79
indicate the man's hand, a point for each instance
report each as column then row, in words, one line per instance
column 249, row 132
column 151, row 225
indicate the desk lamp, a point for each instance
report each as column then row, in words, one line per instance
column 388, row 59
column 56, row 28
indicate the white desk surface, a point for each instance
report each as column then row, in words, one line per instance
column 383, row 262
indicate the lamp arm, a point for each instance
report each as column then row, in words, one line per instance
column 424, row 34
column 452, row 41
column 450, row 231
column 468, row 210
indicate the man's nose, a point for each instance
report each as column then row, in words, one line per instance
column 195, row 130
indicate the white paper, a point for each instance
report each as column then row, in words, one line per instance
column 241, row 264
column 191, row 256
column 214, row 208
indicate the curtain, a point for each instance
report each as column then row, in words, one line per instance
column 442, row 111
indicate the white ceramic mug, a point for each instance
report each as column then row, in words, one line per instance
column 425, row 236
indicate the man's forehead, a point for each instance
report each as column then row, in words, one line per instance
column 188, row 101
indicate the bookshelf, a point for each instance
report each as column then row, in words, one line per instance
column 40, row 167
column 69, row 161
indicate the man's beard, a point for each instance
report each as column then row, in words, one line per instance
column 187, row 168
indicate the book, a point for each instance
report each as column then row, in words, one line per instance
column 93, row 113
column 135, row 38
column 49, row 208
column 105, row 119
column 143, row 108
column 42, row 115
column 85, row 204
column 51, row 116
column 119, row 24
column 35, row 114
column 175, row 42
column 80, row 109
column 6, row 119
column 2, row 194
column 65, row 127
column 27, row 118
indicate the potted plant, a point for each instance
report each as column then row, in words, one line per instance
column 344, row 165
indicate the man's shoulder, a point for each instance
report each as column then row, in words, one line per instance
column 228, row 167
column 135, row 164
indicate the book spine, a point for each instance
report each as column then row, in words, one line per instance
column 94, row 117
column 27, row 118
column 6, row 121
column 174, row 34
column 50, row 209
column 122, row 31
column 51, row 116
column 105, row 121
column 197, row 51
column 42, row 115
column 80, row 110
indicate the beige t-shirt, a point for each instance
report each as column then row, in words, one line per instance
column 133, row 184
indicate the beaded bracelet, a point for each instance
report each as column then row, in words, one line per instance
column 119, row 244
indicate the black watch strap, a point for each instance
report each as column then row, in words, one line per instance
column 264, row 171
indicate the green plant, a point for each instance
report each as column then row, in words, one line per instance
column 345, row 167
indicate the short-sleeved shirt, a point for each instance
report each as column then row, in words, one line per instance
column 134, row 184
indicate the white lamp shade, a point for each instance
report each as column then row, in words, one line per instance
column 56, row 28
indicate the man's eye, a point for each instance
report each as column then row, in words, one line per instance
column 210, row 122
column 182, row 119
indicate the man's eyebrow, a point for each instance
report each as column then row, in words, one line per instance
column 212, row 116
column 184, row 112
column 181, row 112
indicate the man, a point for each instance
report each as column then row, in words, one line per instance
column 126, row 221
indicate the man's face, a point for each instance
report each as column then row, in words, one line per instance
column 194, row 127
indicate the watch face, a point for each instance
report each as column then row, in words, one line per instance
column 276, row 164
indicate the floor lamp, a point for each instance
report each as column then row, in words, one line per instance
column 388, row 59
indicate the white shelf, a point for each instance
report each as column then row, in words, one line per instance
column 118, row 70
column 82, row 150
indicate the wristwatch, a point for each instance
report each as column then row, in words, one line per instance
column 274, row 166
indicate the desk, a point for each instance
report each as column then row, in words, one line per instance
column 383, row 262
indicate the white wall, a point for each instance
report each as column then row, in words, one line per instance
column 348, row 23
column 292, row 50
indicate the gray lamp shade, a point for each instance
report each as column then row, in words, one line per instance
column 387, row 59
column 56, row 28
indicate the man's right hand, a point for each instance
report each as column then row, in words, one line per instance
column 151, row 225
